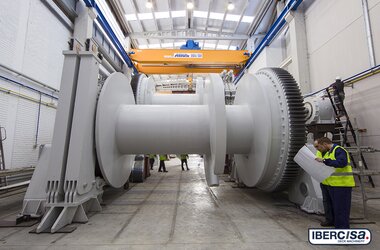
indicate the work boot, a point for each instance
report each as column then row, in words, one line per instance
column 327, row 224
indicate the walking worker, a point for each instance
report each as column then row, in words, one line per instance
column 163, row 158
column 184, row 160
column 336, row 189
column 151, row 160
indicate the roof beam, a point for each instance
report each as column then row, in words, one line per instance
column 154, row 18
column 238, row 23
column 171, row 18
column 134, row 6
column 221, row 25
column 189, row 34
column 208, row 17
column 118, row 10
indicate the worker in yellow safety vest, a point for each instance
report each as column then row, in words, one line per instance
column 151, row 160
column 336, row 189
column 184, row 161
column 163, row 158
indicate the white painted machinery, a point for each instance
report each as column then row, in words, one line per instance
column 144, row 90
column 264, row 128
column 319, row 110
column 99, row 127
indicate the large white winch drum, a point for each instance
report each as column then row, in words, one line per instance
column 263, row 129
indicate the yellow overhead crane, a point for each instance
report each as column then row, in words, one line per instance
column 178, row 61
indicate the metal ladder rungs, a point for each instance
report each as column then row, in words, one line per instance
column 373, row 198
column 366, row 172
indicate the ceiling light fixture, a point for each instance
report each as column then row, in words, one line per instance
column 190, row 5
column 230, row 6
column 149, row 4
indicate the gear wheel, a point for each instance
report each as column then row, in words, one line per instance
column 293, row 131
column 135, row 82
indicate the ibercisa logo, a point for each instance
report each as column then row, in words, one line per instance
column 339, row 236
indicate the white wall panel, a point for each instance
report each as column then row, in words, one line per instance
column 19, row 117
column 336, row 40
column 375, row 23
column 327, row 18
column 32, row 40
column 8, row 113
column 24, row 153
column 344, row 55
column 46, row 39
column 3, row 108
column 13, row 26
column 362, row 103
column 47, row 119
column 4, row 104
column 372, row 3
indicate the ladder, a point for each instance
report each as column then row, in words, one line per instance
column 3, row 181
column 345, row 129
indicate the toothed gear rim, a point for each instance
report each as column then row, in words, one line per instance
column 135, row 81
column 138, row 84
column 293, row 134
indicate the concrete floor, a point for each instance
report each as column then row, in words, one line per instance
column 176, row 210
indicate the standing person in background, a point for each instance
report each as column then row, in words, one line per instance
column 337, row 188
column 163, row 158
column 184, row 160
column 151, row 160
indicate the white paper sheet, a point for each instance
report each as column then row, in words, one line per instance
column 306, row 159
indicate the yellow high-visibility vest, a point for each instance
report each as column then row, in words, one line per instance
column 184, row 157
column 335, row 180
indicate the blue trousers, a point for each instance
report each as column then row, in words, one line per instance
column 341, row 206
column 327, row 204
column 162, row 166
